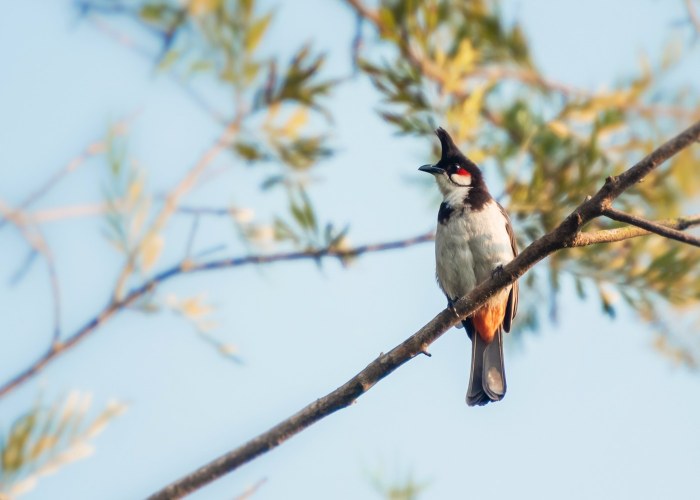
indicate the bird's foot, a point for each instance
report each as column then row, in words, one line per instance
column 497, row 271
column 451, row 305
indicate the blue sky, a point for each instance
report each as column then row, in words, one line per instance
column 592, row 410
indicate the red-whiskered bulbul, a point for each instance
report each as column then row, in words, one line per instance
column 474, row 239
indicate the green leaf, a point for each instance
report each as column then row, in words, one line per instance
column 249, row 151
column 255, row 34
column 154, row 12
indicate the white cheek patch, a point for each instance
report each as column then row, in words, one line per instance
column 462, row 180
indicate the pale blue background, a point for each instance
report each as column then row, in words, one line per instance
column 592, row 410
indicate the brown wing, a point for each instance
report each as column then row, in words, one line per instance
column 512, row 305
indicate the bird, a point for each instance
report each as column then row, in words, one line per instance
column 473, row 241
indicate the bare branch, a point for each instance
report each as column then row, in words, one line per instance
column 188, row 267
column 653, row 227
column 66, row 212
column 561, row 237
column 625, row 233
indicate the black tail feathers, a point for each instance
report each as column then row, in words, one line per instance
column 487, row 381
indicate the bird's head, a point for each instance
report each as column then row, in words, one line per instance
column 455, row 174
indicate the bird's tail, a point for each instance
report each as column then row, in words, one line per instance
column 487, row 381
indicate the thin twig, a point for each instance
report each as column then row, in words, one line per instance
column 651, row 226
column 67, row 212
column 251, row 490
column 93, row 149
column 192, row 236
column 562, row 236
column 75, row 211
column 37, row 242
column 625, row 233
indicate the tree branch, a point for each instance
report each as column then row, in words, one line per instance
column 653, row 227
column 188, row 267
column 581, row 240
column 563, row 236
column 625, row 233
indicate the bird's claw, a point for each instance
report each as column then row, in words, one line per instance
column 497, row 271
column 451, row 305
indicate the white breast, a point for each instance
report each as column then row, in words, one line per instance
column 469, row 247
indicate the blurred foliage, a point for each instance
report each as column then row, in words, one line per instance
column 128, row 207
column 464, row 66
column 47, row 438
column 276, row 109
column 402, row 486
column 545, row 145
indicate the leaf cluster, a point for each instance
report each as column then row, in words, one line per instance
column 544, row 145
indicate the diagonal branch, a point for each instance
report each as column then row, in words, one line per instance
column 188, row 267
column 653, row 227
column 563, row 236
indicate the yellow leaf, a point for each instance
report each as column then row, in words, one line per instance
column 139, row 215
column 242, row 215
column 295, row 122
column 43, row 444
column 134, row 191
column 559, row 128
column 471, row 111
column 477, row 155
column 440, row 57
column 150, row 251
column 194, row 308
column 272, row 112
column 21, row 487
column 261, row 235
column 228, row 349
column 465, row 58
column 202, row 7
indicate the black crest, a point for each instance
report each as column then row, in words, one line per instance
column 450, row 151
column 452, row 159
column 449, row 148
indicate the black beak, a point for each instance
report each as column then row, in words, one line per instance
column 431, row 169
